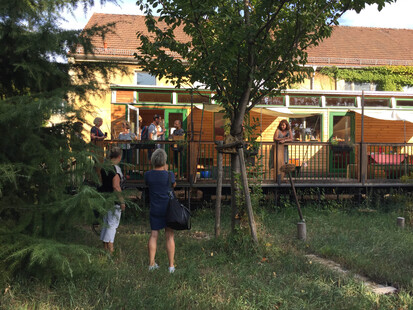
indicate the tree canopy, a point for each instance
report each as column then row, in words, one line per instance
column 241, row 49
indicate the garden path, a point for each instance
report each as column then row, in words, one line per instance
column 372, row 286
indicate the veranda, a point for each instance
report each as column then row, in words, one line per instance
column 317, row 163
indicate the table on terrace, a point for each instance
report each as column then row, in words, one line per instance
column 393, row 165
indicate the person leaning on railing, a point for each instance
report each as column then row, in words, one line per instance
column 95, row 133
column 283, row 134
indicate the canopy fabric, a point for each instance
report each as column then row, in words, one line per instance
column 285, row 112
column 276, row 112
column 390, row 115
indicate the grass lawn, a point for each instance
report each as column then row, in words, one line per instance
column 228, row 273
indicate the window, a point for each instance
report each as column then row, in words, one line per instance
column 144, row 78
column 408, row 89
column 340, row 102
column 359, row 86
column 306, row 129
column 405, row 103
column 219, row 126
column 305, row 101
column 342, row 128
column 272, row 101
column 373, row 102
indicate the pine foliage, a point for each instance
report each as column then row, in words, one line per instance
column 43, row 166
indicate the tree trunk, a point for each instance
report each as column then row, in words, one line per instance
column 218, row 195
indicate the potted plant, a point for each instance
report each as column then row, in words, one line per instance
column 340, row 145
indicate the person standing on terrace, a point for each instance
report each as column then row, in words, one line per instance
column 95, row 133
column 178, row 135
column 153, row 133
column 125, row 134
column 283, row 134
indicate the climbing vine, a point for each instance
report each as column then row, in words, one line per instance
column 387, row 78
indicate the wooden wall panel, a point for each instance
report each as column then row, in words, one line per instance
column 118, row 113
column 382, row 131
column 207, row 121
column 124, row 96
column 267, row 125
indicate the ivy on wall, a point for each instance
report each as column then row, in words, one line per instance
column 387, row 78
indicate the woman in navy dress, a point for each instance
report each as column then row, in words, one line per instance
column 159, row 181
column 95, row 133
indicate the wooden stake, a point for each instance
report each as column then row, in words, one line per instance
column 247, row 195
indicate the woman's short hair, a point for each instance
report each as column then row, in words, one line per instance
column 287, row 124
column 126, row 125
column 158, row 158
column 97, row 120
column 114, row 152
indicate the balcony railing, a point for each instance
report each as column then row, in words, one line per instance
column 316, row 162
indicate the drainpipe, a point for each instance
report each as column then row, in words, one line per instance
column 313, row 77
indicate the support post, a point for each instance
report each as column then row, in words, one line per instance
column 218, row 193
column 247, row 195
column 279, row 162
column 363, row 163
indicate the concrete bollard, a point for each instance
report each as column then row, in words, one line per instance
column 400, row 222
column 302, row 230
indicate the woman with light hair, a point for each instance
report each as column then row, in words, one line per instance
column 95, row 132
column 160, row 181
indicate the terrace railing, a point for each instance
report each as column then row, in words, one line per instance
column 316, row 162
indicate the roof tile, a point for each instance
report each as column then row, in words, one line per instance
column 347, row 46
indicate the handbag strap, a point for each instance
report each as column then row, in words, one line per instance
column 170, row 181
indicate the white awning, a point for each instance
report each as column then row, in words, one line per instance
column 284, row 112
column 276, row 112
column 388, row 115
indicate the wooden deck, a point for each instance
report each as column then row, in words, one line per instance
column 318, row 164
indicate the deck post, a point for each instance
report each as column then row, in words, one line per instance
column 363, row 162
column 279, row 162
column 219, row 192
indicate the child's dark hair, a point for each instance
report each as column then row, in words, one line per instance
column 114, row 152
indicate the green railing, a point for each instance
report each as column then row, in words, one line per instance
column 314, row 161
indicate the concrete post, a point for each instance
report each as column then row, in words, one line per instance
column 400, row 222
column 302, row 230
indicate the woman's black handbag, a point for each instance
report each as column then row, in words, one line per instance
column 178, row 216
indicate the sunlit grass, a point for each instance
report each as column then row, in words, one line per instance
column 228, row 273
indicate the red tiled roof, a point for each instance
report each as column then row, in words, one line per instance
column 122, row 39
column 365, row 46
column 347, row 46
